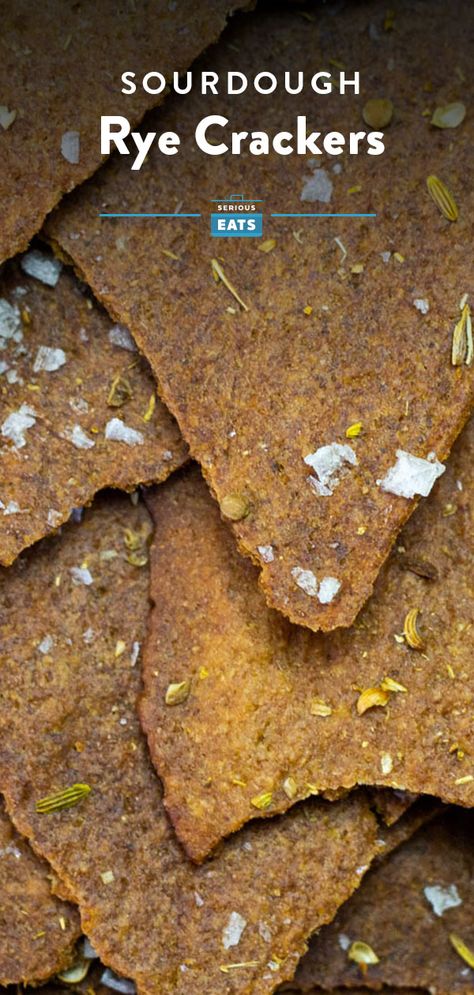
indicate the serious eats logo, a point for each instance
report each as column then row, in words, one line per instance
column 236, row 216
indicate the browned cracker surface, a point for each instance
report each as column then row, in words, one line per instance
column 37, row 930
column 60, row 70
column 70, row 716
column 393, row 913
column 257, row 391
column 269, row 701
column 60, row 374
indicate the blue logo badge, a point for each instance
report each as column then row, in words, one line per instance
column 237, row 216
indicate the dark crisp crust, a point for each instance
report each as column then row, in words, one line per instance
column 71, row 716
column 38, row 931
column 248, row 725
column 392, row 914
column 60, row 70
column 49, row 476
column 257, row 391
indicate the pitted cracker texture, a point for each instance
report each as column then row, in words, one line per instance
column 61, row 70
column 406, row 910
column 332, row 334
column 38, row 930
column 71, row 717
column 272, row 708
column 62, row 374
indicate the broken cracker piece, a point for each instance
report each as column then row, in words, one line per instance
column 73, row 719
column 409, row 904
column 57, row 448
column 252, row 722
column 51, row 144
column 38, row 931
column 257, row 392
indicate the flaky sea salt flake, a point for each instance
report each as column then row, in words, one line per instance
column 15, row 426
column 79, row 438
column 120, row 335
column 442, row 898
column 117, row 431
column 411, row 475
column 81, row 575
column 386, row 763
column 232, row 933
column 317, row 187
column 48, row 359
column 70, row 146
column 7, row 117
column 306, row 581
column 41, row 267
column 12, row 508
column 421, row 305
column 328, row 589
column 10, row 323
column 327, row 462
column 266, row 552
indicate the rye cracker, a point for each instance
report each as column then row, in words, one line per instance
column 407, row 910
column 70, row 718
column 78, row 407
column 38, row 931
column 53, row 93
column 298, row 373
column 274, row 709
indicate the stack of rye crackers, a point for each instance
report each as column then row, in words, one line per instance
column 236, row 693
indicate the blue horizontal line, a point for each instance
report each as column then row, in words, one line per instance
column 307, row 215
column 125, row 215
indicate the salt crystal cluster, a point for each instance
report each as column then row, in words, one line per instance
column 327, row 463
column 307, row 581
